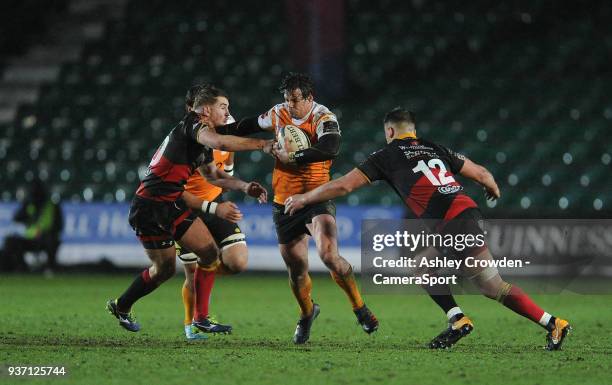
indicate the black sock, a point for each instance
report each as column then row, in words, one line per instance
column 441, row 294
column 141, row 286
column 446, row 302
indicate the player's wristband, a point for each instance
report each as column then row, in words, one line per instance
column 229, row 169
column 209, row 207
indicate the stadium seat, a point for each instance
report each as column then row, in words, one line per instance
column 102, row 119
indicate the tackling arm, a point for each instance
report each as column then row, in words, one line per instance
column 243, row 127
column 221, row 179
column 330, row 190
column 226, row 210
column 233, row 143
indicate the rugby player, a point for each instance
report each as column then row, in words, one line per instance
column 299, row 172
column 417, row 169
column 227, row 235
column 162, row 212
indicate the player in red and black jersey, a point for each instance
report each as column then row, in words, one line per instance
column 161, row 212
column 425, row 179
column 423, row 173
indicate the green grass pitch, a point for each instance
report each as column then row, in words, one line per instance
column 62, row 321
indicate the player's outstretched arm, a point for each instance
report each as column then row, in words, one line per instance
column 225, row 210
column 233, row 143
column 330, row 190
column 244, row 127
column 481, row 175
column 222, row 179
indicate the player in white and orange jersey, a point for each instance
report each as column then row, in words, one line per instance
column 298, row 172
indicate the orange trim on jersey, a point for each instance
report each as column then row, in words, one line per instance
column 408, row 135
column 319, row 119
column 285, row 115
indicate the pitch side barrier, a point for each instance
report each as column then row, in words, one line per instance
column 562, row 250
column 97, row 231
column 545, row 255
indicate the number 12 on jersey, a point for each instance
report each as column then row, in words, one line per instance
column 426, row 170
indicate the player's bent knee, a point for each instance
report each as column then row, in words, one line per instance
column 207, row 254
column 164, row 270
column 298, row 276
column 237, row 265
column 235, row 257
column 492, row 289
column 488, row 281
column 335, row 263
column 328, row 256
column 488, row 292
column 188, row 285
column 297, row 268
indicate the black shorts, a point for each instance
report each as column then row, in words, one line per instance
column 159, row 224
column 224, row 232
column 289, row 227
column 469, row 223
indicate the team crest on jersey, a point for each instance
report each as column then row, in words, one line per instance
column 460, row 156
column 450, row 189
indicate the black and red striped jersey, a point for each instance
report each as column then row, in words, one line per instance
column 175, row 160
column 421, row 173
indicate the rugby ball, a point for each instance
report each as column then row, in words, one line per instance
column 296, row 139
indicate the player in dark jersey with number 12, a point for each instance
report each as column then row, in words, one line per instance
column 421, row 173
